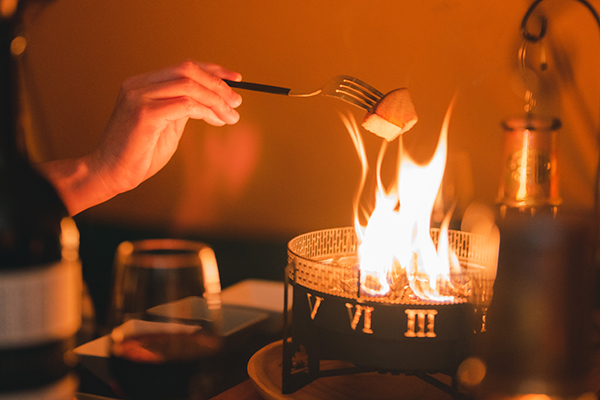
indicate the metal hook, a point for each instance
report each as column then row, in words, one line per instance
column 530, row 98
column 535, row 38
column 531, row 37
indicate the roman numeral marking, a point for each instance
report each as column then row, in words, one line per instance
column 314, row 307
column 355, row 318
column 415, row 325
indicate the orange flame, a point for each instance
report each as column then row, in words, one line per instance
column 398, row 229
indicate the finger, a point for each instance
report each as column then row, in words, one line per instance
column 201, row 73
column 220, row 71
column 211, row 76
column 184, row 107
column 189, row 88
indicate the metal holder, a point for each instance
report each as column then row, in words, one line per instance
column 332, row 320
column 535, row 38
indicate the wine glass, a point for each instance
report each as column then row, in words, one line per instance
column 166, row 318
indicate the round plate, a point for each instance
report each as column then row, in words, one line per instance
column 264, row 369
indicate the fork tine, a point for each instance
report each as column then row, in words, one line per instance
column 357, row 96
column 356, row 91
column 361, row 86
column 354, row 100
column 353, row 91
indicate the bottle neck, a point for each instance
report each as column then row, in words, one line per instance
column 8, row 92
column 11, row 146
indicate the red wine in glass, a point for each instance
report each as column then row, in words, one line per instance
column 166, row 366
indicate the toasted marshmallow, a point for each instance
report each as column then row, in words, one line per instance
column 393, row 115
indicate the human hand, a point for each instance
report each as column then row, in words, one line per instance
column 144, row 131
column 150, row 115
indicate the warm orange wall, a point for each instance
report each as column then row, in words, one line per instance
column 289, row 167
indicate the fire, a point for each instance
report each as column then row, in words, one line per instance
column 395, row 245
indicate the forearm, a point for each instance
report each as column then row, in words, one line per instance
column 77, row 182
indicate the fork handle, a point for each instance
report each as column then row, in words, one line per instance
column 258, row 87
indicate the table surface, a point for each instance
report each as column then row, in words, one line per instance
column 242, row 388
column 243, row 391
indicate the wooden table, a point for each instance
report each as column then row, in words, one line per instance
column 266, row 365
column 243, row 391
column 265, row 369
column 265, row 373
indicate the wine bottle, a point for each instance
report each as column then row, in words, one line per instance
column 40, row 272
column 539, row 321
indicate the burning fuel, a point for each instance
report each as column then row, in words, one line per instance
column 396, row 251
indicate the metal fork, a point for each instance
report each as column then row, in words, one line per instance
column 343, row 87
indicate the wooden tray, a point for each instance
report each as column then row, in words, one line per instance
column 264, row 369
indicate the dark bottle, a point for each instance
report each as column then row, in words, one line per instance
column 40, row 273
column 529, row 182
column 539, row 323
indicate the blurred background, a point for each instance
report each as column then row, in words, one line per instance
column 289, row 166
